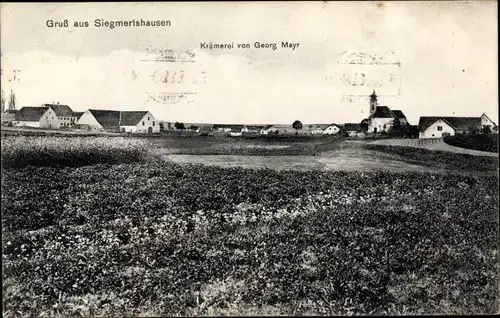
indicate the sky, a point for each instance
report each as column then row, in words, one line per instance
column 431, row 59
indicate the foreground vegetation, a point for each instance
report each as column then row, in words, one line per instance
column 165, row 239
column 443, row 159
column 57, row 151
column 481, row 142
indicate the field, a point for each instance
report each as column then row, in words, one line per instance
column 138, row 237
column 476, row 142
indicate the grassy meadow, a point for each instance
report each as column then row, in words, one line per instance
column 135, row 236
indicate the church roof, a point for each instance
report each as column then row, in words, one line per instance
column 382, row 112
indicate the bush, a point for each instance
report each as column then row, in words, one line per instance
column 21, row 151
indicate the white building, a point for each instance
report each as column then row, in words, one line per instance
column 382, row 117
column 437, row 127
column 269, row 129
column 122, row 121
column 331, row 129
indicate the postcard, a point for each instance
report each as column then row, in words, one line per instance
column 249, row 158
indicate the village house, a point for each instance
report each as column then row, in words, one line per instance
column 254, row 129
column 122, row 121
column 269, row 129
column 382, row 117
column 58, row 116
column 29, row 116
column 437, row 127
column 52, row 116
column 354, row 130
column 331, row 129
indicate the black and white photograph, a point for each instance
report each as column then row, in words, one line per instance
column 323, row 158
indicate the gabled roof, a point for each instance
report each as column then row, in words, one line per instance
column 382, row 112
column 216, row 126
column 398, row 114
column 30, row 113
column 78, row 114
column 131, row 118
column 268, row 127
column 338, row 126
column 60, row 110
column 457, row 123
column 107, row 118
column 483, row 114
column 353, row 127
column 254, row 127
column 115, row 118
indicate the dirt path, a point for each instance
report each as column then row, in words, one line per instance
column 431, row 144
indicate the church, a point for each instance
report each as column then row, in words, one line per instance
column 382, row 117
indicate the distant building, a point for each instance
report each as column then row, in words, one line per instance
column 331, row 129
column 122, row 121
column 382, row 117
column 269, row 129
column 353, row 130
column 228, row 128
column 52, row 116
column 437, row 127
column 29, row 116
column 58, row 116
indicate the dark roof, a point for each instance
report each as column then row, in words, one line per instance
column 382, row 112
column 107, row 118
column 398, row 114
column 267, row 127
column 131, row 118
column 115, row 118
column 458, row 123
column 60, row 110
column 227, row 126
column 78, row 114
column 30, row 113
column 353, row 127
column 254, row 127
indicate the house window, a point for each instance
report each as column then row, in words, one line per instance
column 153, row 123
column 439, row 128
column 148, row 118
column 143, row 122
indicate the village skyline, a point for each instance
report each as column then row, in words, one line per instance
column 437, row 51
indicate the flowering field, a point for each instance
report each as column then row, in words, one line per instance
column 21, row 151
column 166, row 239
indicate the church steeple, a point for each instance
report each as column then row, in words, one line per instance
column 373, row 102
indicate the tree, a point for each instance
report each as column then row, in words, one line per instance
column 12, row 101
column 179, row 126
column 364, row 124
column 3, row 101
column 486, row 129
column 169, row 126
column 297, row 125
column 162, row 126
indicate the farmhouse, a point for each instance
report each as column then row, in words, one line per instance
column 331, row 129
column 29, row 116
column 269, row 129
column 382, row 117
column 53, row 116
column 353, row 130
column 437, row 127
column 58, row 116
column 123, row 121
column 254, row 129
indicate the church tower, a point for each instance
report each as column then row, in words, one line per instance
column 373, row 102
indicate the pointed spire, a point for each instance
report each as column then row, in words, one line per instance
column 373, row 95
